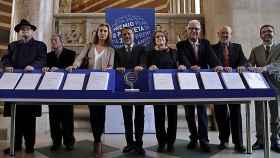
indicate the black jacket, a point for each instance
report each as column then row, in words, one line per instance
column 18, row 56
column 206, row 55
column 236, row 55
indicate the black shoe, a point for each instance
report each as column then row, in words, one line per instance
column 140, row 151
column 29, row 150
column 128, row 148
column 223, row 145
column 275, row 147
column 69, row 147
column 239, row 149
column 170, row 148
column 8, row 150
column 257, row 146
column 205, row 147
column 55, row 147
column 192, row 145
column 160, row 148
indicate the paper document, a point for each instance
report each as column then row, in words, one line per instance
column 211, row 80
column 9, row 80
column 74, row 81
column 29, row 81
column 163, row 81
column 51, row 81
column 187, row 81
column 255, row 80
column 98, row 81
column 232, row 80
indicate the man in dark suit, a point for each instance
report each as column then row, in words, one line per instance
column 197, row 53
column 232, row 56
column 27, row 54
column 131, row 56
column 61, row 116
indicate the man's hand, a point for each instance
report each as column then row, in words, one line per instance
column 182, row 68
column 54, row 68
column 153, row 68
column 218, row 69
column 195, row 67
column 257, row 69
column 138, row 68
column 28, row 68
column 227, row 69
column 9, row 69
column 241, row 69
column 45, row 69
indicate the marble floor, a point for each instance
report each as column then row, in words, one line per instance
column 115, row 142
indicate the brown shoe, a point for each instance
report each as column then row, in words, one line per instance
column 98, row 150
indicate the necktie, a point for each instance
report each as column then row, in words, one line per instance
column 226, row 56
column 195, row 50
column 129, row 49
column 267, row 51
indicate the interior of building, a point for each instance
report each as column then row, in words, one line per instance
column 77, row 19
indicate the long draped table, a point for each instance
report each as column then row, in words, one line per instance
column 147, row 95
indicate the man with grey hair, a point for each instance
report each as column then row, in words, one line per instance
column 61, row 116
column 263, row 56
column 228, row 116
column 197, row 54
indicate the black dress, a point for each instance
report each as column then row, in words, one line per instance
column 164, row 59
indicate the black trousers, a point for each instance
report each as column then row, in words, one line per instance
column 200, row 133
column 25, row 126
column 62, row 124
column 97, row 121
column 162, row 135
column 138, row 124
column 229, row 119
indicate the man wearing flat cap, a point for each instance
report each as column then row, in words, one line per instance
column 27, row 54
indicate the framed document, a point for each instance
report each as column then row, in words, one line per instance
column 98, row 81
column 187, row 81
column 51, row 81
column 163, row 81
column 9, row 80
column 211, row 80
column 29, row 81
column 74, row 81
column 232, row 80
column 255, row 80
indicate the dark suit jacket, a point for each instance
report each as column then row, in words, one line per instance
column 66, row 58
column 206, row 54
column 137, row 57
column 19, row 55
column 236, row 55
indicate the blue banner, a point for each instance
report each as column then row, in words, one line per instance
column 141, row 20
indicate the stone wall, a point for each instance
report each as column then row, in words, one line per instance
column 244, row 16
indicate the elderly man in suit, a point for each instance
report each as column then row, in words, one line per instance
column 262, row 57
column 131, row 56
column 61, row 116
column 27, row 54
column 196, row 53
column 228, row 116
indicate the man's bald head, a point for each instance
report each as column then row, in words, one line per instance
column 224, row 34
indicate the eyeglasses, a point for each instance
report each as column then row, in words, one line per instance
column 194, row 28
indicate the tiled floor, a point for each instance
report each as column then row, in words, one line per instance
column 117, row 141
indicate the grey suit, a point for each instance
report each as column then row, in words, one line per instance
column 258, row 58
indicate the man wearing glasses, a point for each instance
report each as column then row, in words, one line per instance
column 199, row 54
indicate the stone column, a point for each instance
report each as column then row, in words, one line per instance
column 245, row 17
column 39, row 13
